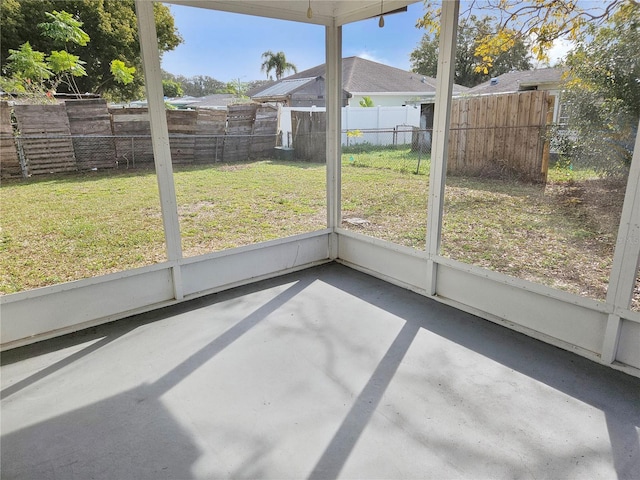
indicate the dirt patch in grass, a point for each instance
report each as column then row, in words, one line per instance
column 561, row 236
column 233, row 167
column 597, row 202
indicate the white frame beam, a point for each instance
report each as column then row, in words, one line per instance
column 160, row 137
column 159, row 131
column 333, row 47
column 442, row 113
column 626, row 258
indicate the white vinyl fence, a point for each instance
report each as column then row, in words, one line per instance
column 376, row 125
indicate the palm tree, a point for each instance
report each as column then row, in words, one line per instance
column 277, row 62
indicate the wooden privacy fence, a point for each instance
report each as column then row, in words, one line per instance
column 265, row 129
column 493, row 135
column 199, row 136
column 132, row 133
column 309, row 136
column 86, row 134
column 210, row 130
column 45, row 142
column 240, row 119
column 499, row 135
column 90, row 127
column 9, row 162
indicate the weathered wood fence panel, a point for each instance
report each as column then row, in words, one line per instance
column 237, row 143
column 499, row 135
column 309, row 136
column 182, row 128
column 210, row 129
column 86, row 134
column 133, row 136
column 9, row 161
column 265, row 129
column 90, row 126
column 45, row 138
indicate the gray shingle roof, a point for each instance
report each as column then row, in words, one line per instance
column 364, row 76
column 283, row 87
column 514, row 81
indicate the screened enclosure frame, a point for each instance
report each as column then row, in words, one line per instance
column 607, row 332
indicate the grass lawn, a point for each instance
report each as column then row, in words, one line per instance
column 62, row 228
column 68, row 227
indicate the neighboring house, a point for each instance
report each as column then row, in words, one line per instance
column 548, row 79
column 297, row 92
column 218, row 101
column 386, row 86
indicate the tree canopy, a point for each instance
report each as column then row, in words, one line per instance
column 539, row 22
column 34, row 75
column 601, row 94
column 197, row 86
column 606, row 62
column 111, row 27
column 470, row 70
column 366, row 102
column 276, row 62
column 172, row 89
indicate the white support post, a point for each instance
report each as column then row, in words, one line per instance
column 626, row 257
column 333, row 96
column 442, row 113
column 160, row 135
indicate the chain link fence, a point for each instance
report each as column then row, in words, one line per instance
column 402, row 149
column 407, row 149
column 50, row 154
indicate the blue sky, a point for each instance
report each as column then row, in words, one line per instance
column 229, row 46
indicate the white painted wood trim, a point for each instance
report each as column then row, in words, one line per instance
column 442, row 113
column 255, row 246
column 628, row 351
column 159, row 130
column 239, row 267
column 534, row 287
column 87, row 302
column 85, row 282
column 628, row 369
column 559, row 318
column 333, row 41
column 480, row 272
column 394, row 247
column 626, row 257
column 611, row 338
column 627, row 314
column 47, row 312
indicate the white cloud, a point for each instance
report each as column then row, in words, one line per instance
column 367, row 55
column 398, row 62
column 558, row 52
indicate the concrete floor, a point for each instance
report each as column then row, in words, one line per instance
column 326, row 373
